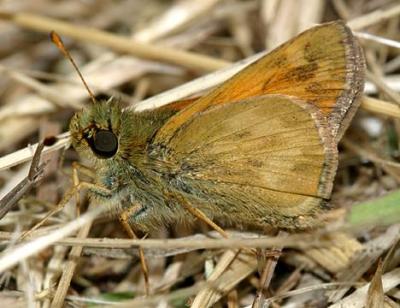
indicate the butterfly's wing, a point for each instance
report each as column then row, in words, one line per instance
column 265, row 160
column 323, row 66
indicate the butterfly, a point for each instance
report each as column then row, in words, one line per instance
column 258, row 151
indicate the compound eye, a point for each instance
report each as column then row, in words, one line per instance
column 104, row 143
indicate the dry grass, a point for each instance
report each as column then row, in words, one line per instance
column 88, row 260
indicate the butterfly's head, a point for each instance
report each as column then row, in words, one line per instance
column 95, row 130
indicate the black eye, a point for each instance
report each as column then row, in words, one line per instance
column 104, row 143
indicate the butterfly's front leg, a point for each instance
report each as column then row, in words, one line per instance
column 67, row 196
column 73, row 191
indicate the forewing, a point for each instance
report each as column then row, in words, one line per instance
column 273, row 150
column 323, row 66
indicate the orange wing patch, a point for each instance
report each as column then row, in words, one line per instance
column 323, row 66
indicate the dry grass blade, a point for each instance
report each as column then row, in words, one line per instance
column 45, row 91
column 374, row 105
column 120, row 44
column 358, row 298
column 175, row 18
column 27, row 153
column 268, row 270
column 337, row 253
column 375, row 295
column 322, row 286
column 378, row 39
column 374, row 17
column 230, row 270
column 300, row 241
column 363, row 260
column 69, row 270
column 11, row 257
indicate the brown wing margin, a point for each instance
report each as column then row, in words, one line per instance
column 350, row 99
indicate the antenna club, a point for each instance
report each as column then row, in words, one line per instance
column 56, row 39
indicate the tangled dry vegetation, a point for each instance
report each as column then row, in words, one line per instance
column 353, row 262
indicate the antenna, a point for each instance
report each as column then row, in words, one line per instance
column 56, row 39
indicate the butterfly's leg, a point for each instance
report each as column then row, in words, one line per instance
column 200, row 215
column 196, row 212
column 83, row 169
column 73, row 191
column 124, row 218
column 76, row 169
